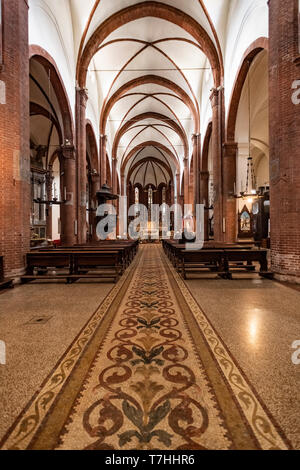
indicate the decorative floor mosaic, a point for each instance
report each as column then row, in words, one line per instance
column 147, row 372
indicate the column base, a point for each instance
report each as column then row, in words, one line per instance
column 292, row 279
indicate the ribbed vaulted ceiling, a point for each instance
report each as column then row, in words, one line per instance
column 149, row 60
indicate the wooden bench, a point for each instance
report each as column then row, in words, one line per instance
column 126, row 252
column 104, row 264
column 173, row 249
column 201, row 260
column 236, row 261
column 4, row 282
column 223, row 262
column 42, row 262
column 73, row 265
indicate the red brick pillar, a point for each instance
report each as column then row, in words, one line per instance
column 204, row 196
column 81, row 102
column 197, row 166
column 186, row 181
column 15, row 192
column 95, row 188
column 179, row 190
column 229, row 181
column 103, row 163
column 115, row 190
column 216, row 145
column 114, row 176
column 284, row 70
column 50, row 195
column 172, row 194
column 68, row 210
column 123, row 192
column 191, row 183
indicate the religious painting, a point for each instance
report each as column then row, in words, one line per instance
column 245, row 223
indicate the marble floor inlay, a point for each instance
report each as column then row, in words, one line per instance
column 148, row 371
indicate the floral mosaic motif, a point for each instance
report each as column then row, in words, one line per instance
column 148, row 325
column 146, row 427
column 148, row 358
column 147, row 379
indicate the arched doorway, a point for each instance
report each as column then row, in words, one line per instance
column 252, row 163
column 52, row 158
column 246, row 152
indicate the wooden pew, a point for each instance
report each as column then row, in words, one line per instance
column 201, row 260
column 4, row 282
column 126, row 251
column 74, row 265
column 223, row 262
column 237, row 261
column 108, row 262
column 236, row 258
column 42, row 262
column 173, row 249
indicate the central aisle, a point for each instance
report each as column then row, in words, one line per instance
column 148, row 371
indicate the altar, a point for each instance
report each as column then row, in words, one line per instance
column 150, row 233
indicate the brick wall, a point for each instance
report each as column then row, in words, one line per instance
column 14, row 137
column 284, row 140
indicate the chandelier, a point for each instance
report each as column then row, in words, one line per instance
column 250, row 193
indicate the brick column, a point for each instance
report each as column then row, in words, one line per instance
column 216, row 145
column 49, row 192
column 179, row 190
column 123, row 189
column 186, row 181
column 81, row 102
column 114, row 176
column 15, row 192
column 95, row 188
column 68, row 210
column 172, row 194
column 229, row 182
column 197, row 166
column 204, row 199
column 284, row 140
column 103, row 163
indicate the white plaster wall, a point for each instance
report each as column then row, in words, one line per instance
column 50, row 27
column 247, row 21
column 205, row 107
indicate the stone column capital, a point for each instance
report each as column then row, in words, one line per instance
column 215, row 96
column 68, row 151
column 230, row 149
column 103, row 138
column 83, row 96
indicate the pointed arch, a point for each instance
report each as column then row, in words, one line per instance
column 156, row 10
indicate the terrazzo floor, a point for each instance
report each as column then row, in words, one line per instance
column 258, row 320
column 33, row 349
